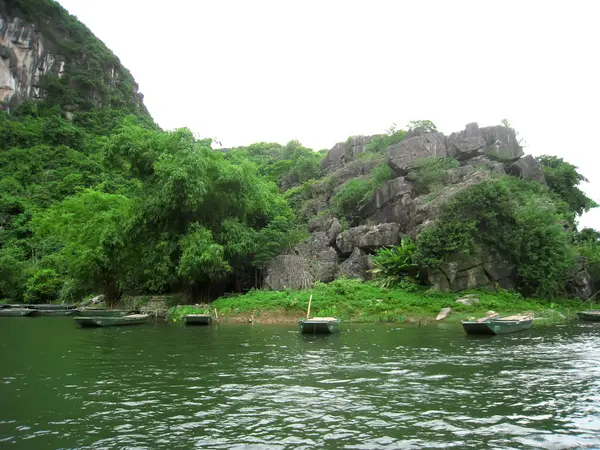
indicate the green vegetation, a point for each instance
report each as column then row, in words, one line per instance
column 396, row 264
column 356, row 301
column 428, row 174
column 94, row 197
column 355, row 194
column 515, row 218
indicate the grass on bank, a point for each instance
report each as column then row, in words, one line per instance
column 356, row 301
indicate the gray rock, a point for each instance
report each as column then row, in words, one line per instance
column 402, row 156
column 367, row 238
column 289, row 271
column 347, row 240
column 580, row 282
column 382, row 235
column 387, row 195
column 444, row 312
column 357, row 265
column 468, row 300
column 497, row 142
column 527, row 168
column 93, row 301
column 344, row 152
column 333, row 230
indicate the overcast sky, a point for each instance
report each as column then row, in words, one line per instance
column 320, row 71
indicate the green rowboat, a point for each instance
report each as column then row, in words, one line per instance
column 50, row 307
column 132, row 319
column 17, row 312
column 591, row 315
column 102, row 312
column 499, row 325
column 197, row 319
column 316, row 325
column 56, row 312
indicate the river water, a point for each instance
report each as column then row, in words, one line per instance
column 268, row 387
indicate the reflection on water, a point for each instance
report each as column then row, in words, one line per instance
column 228, row 386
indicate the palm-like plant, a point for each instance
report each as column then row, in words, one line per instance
column 393, row 264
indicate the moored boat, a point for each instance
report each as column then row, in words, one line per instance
column 56, row 312
column 17, row 312
column 591, row 315
column 104, row 321
column 499, row 325
column 315, row 325
column 103, row 312
column 197, row 319
column 51, row 307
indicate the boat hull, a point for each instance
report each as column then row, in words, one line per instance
column 590, row 316
column 102, row 312
column 477, row 328
column 56, row 312
column 17, row 312
column 509, row 326
column 197, row 319
column 312, row 326
column 88, row 322
column 51, row 307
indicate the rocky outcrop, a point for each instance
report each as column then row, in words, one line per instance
column 486, row 270
column 401, row 207
column 357, row 265
column 31, row 52
column 402, row 156
column 497, row 143
column 343, row 153
column 580, row 282
column 367, row 238
column 527, row 168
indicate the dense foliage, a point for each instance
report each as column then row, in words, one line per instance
column 520, row 220
column 94, row 197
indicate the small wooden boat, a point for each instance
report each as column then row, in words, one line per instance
column 319, row 325
column 197, row 319
column 51, row 307
column 104, row 321
column 17, row 312
column 103, row 312
column 591, row 315
column 56, row 312
column 499, row 325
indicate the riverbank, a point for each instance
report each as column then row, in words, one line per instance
column 360, row 302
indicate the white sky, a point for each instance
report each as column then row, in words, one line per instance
column 320, row 71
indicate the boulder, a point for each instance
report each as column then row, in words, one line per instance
column 444, row 312
column 93, row 301
column 382, row 235
column 580, row 282
column 367, row 238
column 388, row 194
column 497, row 142
column 357, row 265
column 289, row 271
column 344, row 152
column 486, row 270
column 402, row 156
column 347, row 240
column 322, row 259
column 333, row 230
column 527, row 168
column 468, row 300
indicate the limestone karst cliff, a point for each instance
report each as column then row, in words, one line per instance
column 46, row 53
column 400, row 208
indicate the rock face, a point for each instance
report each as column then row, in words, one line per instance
column 343, row 153
column 495, row 143
column 486, row 270
column 28, row 54
column 580, row 282
column 397, row 209
column 527, row 168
